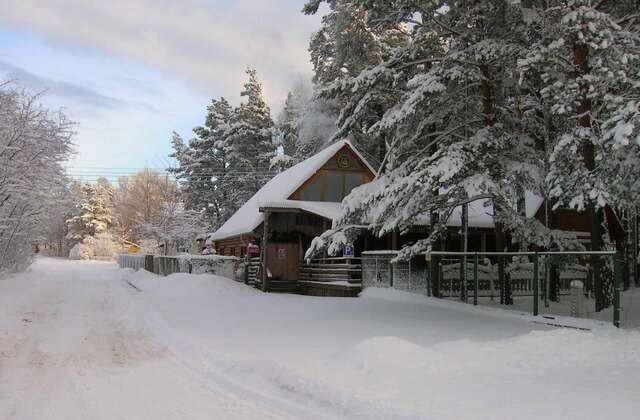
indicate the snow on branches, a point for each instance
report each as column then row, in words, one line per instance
column 33, row 144
column 486, row 101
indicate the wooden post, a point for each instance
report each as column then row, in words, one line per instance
column 535, row 285
column 617, row 274
column 627, row 247
column 265, row 245
column 475, row 279
column 324, row 229
column 500, row 248
column 634, row 251
column 434, row 264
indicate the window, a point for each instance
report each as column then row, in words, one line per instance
column 352, row 180
column 311, row 191
column 232, row 251
column 243, row 251
column 333, row 186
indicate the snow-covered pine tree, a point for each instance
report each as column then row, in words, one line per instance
column 202, row 165
column 93, row 213
column 451, row 112
column 183, row 171
column 348, row 43
column 288, row 128
column 209, row 166
column 589, row 68
column 304, row 127
column 249, row 145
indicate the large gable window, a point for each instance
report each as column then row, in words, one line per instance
column 331, row 185
column 313, row 190
column 352, row 180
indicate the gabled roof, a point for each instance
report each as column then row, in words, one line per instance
column 279, row 189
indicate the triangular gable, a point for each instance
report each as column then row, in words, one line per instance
column 281, row 187
column 358, row 164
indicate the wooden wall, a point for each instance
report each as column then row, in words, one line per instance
column 574, row 221
column 233, row 246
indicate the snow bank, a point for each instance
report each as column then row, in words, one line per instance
column 391, row 354
column 213, row 264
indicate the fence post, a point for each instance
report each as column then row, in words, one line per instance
column 535, row 284
column 617, row 277
column 148, row 263
column 577, row 299
column 475, row 279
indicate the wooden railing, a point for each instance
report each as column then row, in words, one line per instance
column 252, row 270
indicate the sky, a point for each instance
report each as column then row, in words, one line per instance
column 129, row 72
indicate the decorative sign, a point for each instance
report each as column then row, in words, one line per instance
column 344, row 162
column 348, row 251
column 282, row 253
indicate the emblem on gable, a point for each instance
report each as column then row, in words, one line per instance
column 344, row 162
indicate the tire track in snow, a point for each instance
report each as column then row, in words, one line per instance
column 72, row 347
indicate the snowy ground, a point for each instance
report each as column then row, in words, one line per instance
column 77, row 341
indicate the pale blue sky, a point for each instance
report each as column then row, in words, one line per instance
column 129, row 72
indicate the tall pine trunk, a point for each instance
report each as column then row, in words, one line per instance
column 487, row 110
column 596, row 217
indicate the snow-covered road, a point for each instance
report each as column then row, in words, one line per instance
column 79, row 342
column 72, row 346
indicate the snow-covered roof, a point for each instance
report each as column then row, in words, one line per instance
column 279, row 189
column 327, row 209
column 481, row 212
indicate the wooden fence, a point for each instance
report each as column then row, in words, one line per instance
column 165, row 265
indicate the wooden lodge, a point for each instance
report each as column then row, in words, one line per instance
column 275, row 227
column 284, row 216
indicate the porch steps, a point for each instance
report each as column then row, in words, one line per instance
column 279, row 286
column 331, row 288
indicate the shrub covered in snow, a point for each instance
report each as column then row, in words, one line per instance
column 82, row 250
column 102, row 246
column 105, row 246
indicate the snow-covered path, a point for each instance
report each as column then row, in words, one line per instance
column 78, row 342
column 73, row 347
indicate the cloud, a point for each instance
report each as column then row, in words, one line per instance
column 77, row 93
column 207, row 42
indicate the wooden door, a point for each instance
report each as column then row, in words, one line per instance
column 282, row 260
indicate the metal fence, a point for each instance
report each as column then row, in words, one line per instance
column 543, row 283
